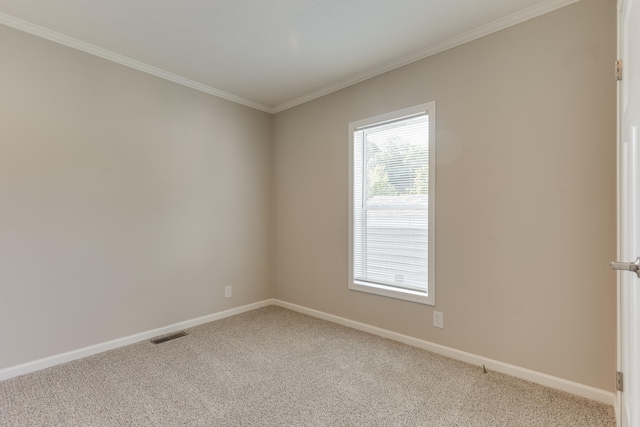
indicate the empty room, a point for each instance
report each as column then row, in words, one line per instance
column 322, row 213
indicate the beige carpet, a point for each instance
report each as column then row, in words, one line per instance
column 275, row 367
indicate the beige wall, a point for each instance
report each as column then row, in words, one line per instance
column 127, row 202
column 525, row 216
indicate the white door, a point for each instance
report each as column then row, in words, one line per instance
column 629, row 210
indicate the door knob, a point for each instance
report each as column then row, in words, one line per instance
column 627, row 266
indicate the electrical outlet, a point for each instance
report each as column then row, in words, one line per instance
column 438, row 319
column 227, row 292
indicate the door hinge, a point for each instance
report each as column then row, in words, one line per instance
column 619, row 69
column 619, row 381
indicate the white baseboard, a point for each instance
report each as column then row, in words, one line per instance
column 505, row 368
column 36, row 365
column 494, row 365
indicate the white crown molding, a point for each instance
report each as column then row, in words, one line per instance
column 53, row 36
column 431, row 50
column 492, row 365
column 58, row 359
column 495, row 26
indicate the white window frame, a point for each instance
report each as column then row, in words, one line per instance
column 427, row 297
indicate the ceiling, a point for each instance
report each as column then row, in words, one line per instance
column 267, row 54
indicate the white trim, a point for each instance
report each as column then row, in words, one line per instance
column 494, row 365
column 618, row 396
column 505, row 368
column 389, row 291
column 500, row 24
column 56, row 37
column 36, row 365
column 485, row 30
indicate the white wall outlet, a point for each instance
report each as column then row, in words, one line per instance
column 227, row 292
column 438, row 319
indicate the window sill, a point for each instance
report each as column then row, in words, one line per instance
column 391, row 292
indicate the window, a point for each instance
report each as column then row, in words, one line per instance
column 391, row 204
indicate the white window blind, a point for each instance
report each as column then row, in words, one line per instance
column 390, row 206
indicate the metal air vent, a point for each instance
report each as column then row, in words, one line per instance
column 170, row 337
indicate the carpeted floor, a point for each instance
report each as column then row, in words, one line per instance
column 275, row 367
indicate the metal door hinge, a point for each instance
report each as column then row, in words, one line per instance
column 619, row 381
column 619, row 69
